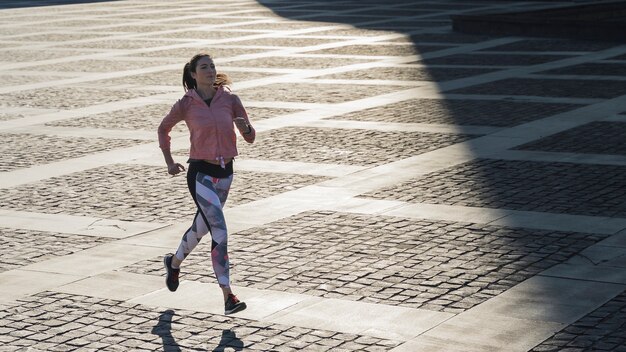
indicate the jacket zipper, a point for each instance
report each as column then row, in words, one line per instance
column 220, row 158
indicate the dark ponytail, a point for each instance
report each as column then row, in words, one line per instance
column 190, row 83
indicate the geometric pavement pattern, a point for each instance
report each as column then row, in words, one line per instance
column 383, row 102
column 445, row 266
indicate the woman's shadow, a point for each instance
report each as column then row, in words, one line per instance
column 230, row 340
column 164, row 329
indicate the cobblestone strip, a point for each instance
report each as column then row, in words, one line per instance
column 596, row 137
column 52, row 115
column 26, row 150
column 350, row 146
column 579, row 189
column 312, row 93
column 459, row 112
column 592, row 69
column 148, row 118
column 52, row 321
column 415, row 74
column 442, row 266
column 480, row 58
column 66, row 98
column 94, row 66
column 604, row 329
column 138, row 193
column 534, row 45
column 170, row 80
column 575, row 88
column 145, row 118
column 20, row 247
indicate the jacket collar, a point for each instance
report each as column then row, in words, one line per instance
column 195, row 96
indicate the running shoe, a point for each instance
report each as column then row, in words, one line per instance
column 171, row 280
column 233, row 305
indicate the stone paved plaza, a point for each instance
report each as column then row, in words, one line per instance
column 410, row 189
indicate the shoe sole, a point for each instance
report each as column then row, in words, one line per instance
column 238, row 308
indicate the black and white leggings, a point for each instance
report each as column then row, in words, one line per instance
column 209, row 194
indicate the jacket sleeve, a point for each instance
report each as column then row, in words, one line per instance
column 240, row 111
column 169, row 121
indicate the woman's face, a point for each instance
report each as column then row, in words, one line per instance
column 205, row 72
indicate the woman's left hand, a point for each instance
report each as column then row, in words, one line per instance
column 241, row 124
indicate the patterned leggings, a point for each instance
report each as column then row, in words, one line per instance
column 209, row 194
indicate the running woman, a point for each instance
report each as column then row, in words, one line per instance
column 211, row 112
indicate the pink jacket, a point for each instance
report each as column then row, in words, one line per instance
column 212, row 132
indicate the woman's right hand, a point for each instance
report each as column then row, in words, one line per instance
column 175, row 168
